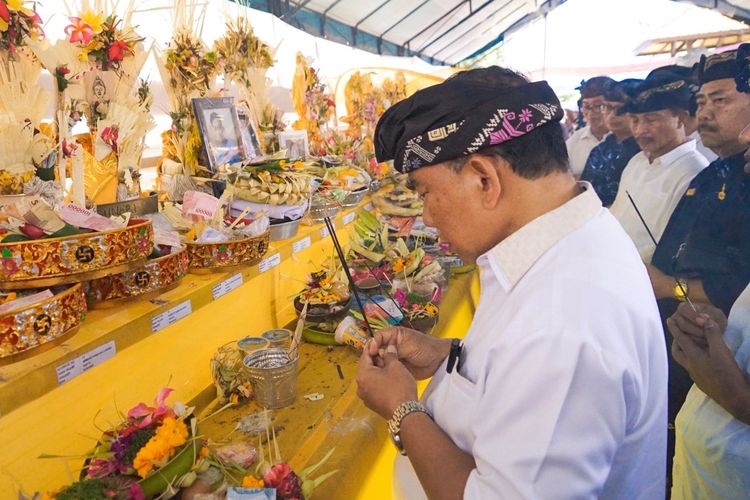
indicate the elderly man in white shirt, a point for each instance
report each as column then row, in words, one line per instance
column 559, row 389
column 587, row 138
column 655, row 179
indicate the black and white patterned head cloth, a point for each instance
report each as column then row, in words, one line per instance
column 718, row 67
column 743, row 61
column 458, row 118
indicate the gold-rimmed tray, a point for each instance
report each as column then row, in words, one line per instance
column 154, row 277
column 76, row 258
column 32, row 329
column 206, row 258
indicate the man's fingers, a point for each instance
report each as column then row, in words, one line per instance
column 390, row 354
column 678, row 354
column 714, row 336
column 688, row 325
column 686, row 344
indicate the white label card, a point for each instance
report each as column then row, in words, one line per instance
column 226, row 286
column 349, row 218
column 300, row 245
column 368, row 207
column 171, row 316
column 324, row 232
column 86, row 361
column 269, row 262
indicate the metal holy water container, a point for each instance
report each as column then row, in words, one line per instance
column 279, row 338
column 249, row 345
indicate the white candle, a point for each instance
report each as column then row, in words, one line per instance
column 62, row 136
column 79, row 191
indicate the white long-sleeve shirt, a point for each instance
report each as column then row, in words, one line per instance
column 562, row 389
column 712, row 451
column 656, row 188
column 579, row 147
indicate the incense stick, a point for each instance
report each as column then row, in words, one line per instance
column 342, row 258
column 651, row 235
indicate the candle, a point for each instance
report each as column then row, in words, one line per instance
column 62, row 127
column 79, row 191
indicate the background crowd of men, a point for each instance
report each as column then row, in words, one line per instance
column 667, row 155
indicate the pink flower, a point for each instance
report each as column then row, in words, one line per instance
column 79, row 31
column 135, row 492
column 151, row 414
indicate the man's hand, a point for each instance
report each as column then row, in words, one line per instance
column 383, row 388
column 663, row 284
column 709, row 361
column 421, row 354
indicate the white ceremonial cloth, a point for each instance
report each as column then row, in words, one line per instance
column 579, row 147
column 656, row 188
column 562, row 392
column 707, row 153
column 712, row 451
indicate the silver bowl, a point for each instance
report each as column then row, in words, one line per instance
column 284, row 230
column 353, row 198
column 320, row 209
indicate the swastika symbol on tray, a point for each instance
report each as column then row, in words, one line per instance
column 84, row 254
column 42, row 324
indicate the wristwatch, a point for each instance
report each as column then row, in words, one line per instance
column 681, row 289
column 394, row 424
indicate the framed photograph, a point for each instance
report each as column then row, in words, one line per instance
column 220, row 130
column 249, row 134
column 296, row 144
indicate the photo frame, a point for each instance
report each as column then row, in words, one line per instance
column 296, row 143
column 249, row 132
column 220, row 130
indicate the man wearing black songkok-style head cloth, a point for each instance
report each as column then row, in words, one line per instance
column 566, row 335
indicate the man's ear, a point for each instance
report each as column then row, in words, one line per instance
column 683, row 117
column 486, row 178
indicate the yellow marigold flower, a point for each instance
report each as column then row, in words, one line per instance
column 171, row 434
column 252, row 482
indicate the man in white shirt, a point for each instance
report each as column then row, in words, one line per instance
column 655, row 179
column 585, row 139
column 559, row 390
column 712, row 453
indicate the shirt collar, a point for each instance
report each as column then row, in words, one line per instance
column 513, row 257
column 672, row 156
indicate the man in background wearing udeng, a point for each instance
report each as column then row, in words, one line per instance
column 585, row 139
column 607, row 160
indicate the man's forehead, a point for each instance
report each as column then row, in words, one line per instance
column 718, row 87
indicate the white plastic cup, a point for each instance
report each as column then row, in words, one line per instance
column 349, row 333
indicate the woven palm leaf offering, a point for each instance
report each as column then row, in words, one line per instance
column 153, row 450
column 328, row 299
column 188, row 69
column 104, row 90
column 27, row 146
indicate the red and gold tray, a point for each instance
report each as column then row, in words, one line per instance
column 154, row 277
column 211, row 257
column 72, row 259
column 42, row 324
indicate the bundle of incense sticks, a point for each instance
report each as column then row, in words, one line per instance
column 651, row 235
column 342, row 259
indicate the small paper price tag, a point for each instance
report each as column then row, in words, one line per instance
column 226, row 286
column 171, row 316
column 349, row 218
column 269, row 262
column 301, row 244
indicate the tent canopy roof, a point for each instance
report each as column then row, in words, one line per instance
column 440, row 31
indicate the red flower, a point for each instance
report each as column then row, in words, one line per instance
column 4, row 13
column 283, row 479
column 117, row 51
column 10, row 266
